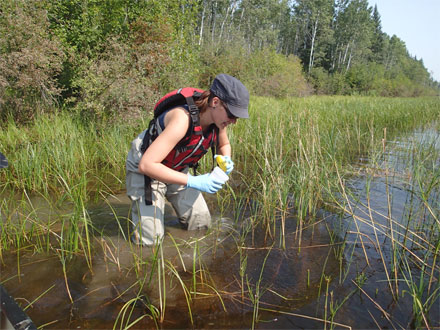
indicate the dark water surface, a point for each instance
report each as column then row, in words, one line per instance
column 303, row 283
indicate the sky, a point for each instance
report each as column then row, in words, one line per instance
column 417, row 23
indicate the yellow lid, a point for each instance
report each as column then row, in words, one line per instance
column 221, row 162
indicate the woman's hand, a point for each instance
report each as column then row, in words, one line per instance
column 225, row 163
column 204, row 183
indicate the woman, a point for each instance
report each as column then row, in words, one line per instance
column 225, row 102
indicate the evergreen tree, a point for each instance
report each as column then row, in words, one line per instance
column 378, row 38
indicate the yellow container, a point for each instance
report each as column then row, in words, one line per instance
column 221, row 162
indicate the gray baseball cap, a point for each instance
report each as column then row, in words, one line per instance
column 232, row 92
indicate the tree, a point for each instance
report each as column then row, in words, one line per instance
column 314, row 30
column 378, row 38
column 353, row 34
column 259, row 22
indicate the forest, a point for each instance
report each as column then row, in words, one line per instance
column 114, row 58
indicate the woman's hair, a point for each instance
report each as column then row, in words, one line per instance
column 203, row 101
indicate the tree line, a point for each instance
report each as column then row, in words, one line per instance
column 106, row 58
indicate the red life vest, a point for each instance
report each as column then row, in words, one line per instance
column 189, row 151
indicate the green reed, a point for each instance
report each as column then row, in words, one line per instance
column 257, row 292
column 288, row 150
column 423, row 300
column 125, row 315
column 124, row 318
column 59, row 151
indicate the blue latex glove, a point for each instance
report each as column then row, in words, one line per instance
column 227, row 162
column 204, row 183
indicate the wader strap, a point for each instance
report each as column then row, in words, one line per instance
column 194, row 167
column 148, row 192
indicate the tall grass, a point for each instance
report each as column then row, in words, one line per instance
column 67, row 162
column 291, row 149
column 287, row 148
column 59, row 152
column 407, row 246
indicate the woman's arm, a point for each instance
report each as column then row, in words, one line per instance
column 224, row 147
column 176, row 125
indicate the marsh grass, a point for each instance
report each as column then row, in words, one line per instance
column 293, row 157
column 59, row 154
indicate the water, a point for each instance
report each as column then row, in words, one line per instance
column 391, row 197
column 302, row 283
column 99, row 296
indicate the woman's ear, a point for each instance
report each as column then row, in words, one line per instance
column 215, row 101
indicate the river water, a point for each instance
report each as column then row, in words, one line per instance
column 296, row 287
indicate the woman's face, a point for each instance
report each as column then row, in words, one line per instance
column 222, row 116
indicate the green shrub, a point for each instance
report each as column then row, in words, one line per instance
column 123, row 81
column 227, row 58
column 30, row 59
column 272, row 74
column 264, row 72
column 361, row 77
column 326, row 83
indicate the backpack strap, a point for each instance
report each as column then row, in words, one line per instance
column 195, row 115
column 195, row 167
